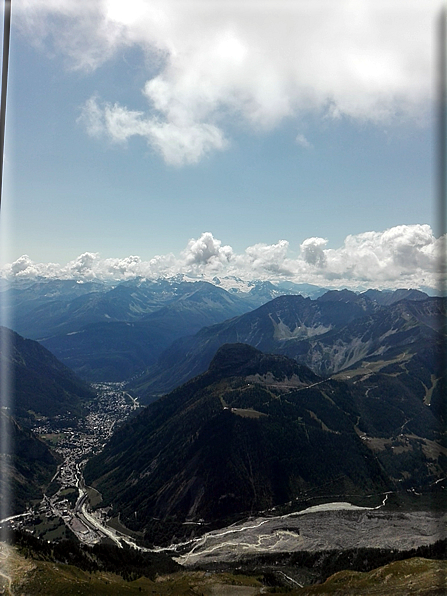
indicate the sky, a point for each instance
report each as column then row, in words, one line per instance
column 272, row 140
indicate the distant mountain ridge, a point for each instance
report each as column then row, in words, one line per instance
column 49, row 307
column 389, row 297
column 117, row 350
column 116, row 331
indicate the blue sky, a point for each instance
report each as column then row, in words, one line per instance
column 134, row 132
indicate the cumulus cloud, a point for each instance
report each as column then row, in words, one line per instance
column 401, row 251
column 266, row 259
column 25, row 268
column 21, row 265
column 207, row 251
column 312, row 250
column 83, row 265
column 256, row 63
column 402, row 256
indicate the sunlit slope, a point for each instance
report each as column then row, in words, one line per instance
column 401, row 578
column 405, row 578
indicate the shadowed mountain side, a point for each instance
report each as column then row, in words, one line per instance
column 28, row 464
column 116, row 351
column 330, row 334
column 40, row 384
column 252, row 432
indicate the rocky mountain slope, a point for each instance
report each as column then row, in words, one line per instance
column 337, row 331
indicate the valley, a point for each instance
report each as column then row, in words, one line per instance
column 329, row 525
column 304, row 425
column 66, row 499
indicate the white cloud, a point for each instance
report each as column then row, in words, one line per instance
column 254, row 62
column 83, row 266
column 312, row 250
column 402, row 256
column 25, row 268
column 207, row 251
column 22, row 264
column 265, row 259
column 179, row 144
column 79, row 30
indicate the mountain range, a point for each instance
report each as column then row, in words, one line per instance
column 337, row 331
column 43, row 308
column 109, row 332
column 344, row 372
column 117, row 350
column 117, row 332
column 261, row 402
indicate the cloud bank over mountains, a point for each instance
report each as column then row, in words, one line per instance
column 402, row 256
column 213, row 65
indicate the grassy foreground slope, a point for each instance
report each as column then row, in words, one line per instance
column 400, row 578
column 20, row 575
